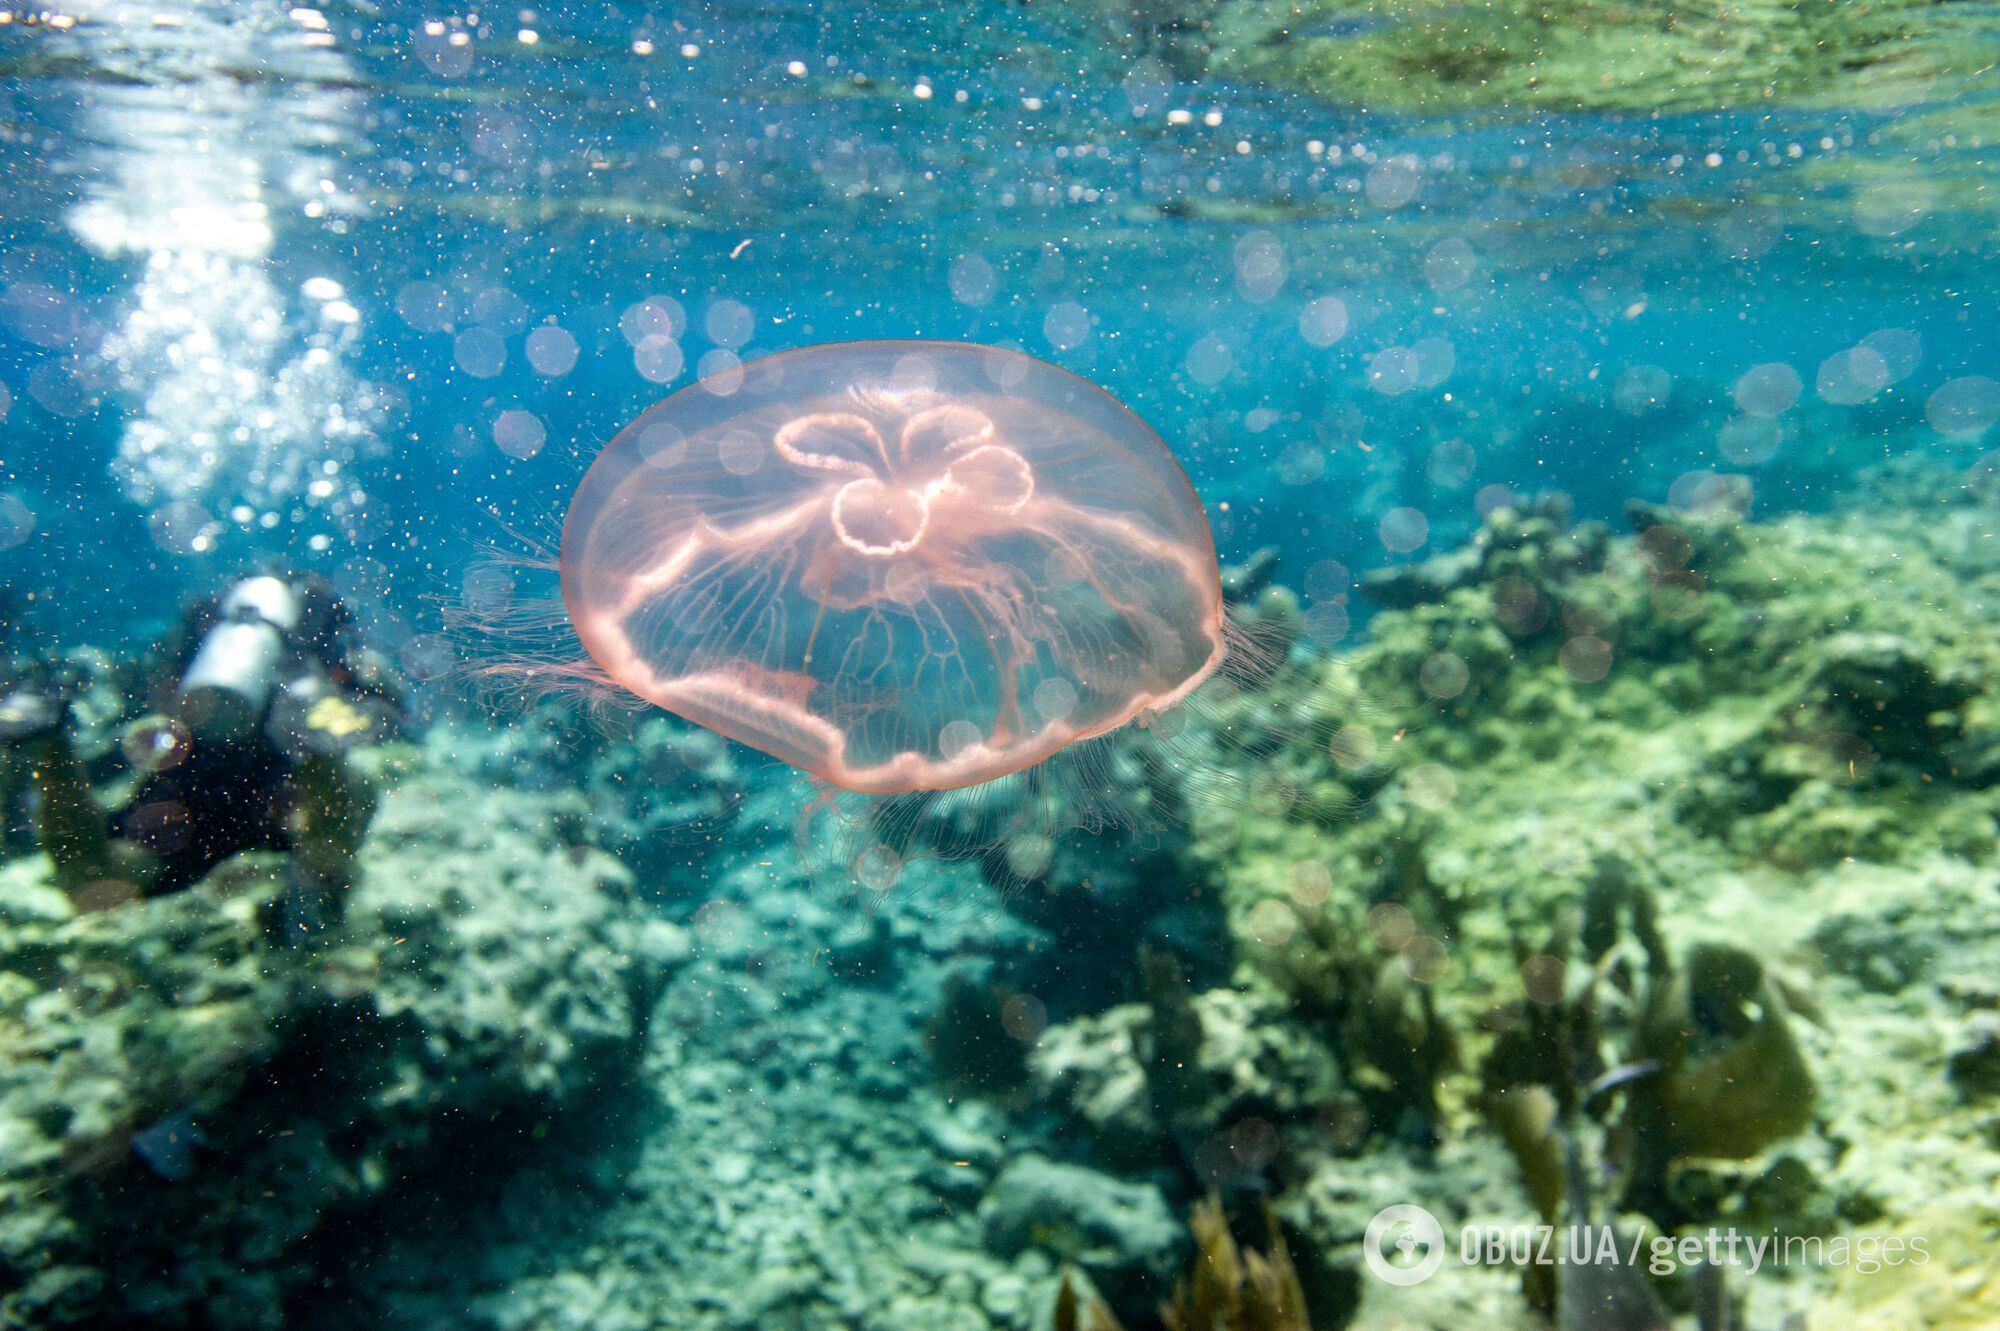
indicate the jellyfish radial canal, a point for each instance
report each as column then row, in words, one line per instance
column 898, row 566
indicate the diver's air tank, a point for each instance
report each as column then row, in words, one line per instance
column 226, row 687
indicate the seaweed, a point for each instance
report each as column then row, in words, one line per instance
column 1226, row 1287
column 1663, row 1065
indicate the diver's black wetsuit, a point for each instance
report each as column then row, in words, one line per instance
column 222, row 798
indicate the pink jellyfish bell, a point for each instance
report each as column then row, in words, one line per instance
column 898, row 566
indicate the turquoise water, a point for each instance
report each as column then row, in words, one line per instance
column 1194, row 247
column 362, row 290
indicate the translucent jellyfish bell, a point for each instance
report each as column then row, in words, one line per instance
column 899, row 566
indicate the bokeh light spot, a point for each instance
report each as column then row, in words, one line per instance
column 1768, row 390
column 1272, row 922
column 1542, row 977
column 1323, row 322
column 519, row 434
column 1430, row 786
column 17, row 521
column 1585, row 659
column 1964, row 408
column 1403, row 530
column 1309, row 884
column 1443, row 675
column 479, row 352
column 552, row 351
column 1425, row 959
column 1353, row 747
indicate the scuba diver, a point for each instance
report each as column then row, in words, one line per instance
column 262, row 692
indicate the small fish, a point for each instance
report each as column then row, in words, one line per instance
column 167, row 1147
column 1623, row 1074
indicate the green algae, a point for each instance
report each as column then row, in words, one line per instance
column 1783, row 730
column 1526, row 55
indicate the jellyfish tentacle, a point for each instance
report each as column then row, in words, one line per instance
column 819, row 611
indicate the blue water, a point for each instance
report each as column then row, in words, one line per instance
column 945, row 175
column 363, row 289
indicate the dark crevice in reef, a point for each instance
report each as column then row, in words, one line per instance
column 481, row 1182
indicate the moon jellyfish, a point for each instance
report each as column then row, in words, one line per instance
column 897, row 566
column 970, row 595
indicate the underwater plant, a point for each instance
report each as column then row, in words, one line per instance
column 1072, row 1314
column 1226, row 1287
column 1369, row 1003
column 1731, row 1078
column 1666, row 1065
column 1230, row 1288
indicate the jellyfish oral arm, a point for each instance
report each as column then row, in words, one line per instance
column 1134, row 536
column 649, row 582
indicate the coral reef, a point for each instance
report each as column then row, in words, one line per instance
column 1244, row 1078
column 185, row 1101
column 1672, row 834
column 1120, row 1232
column 789, row 1155
column 1645, row 877
column 647, row 787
